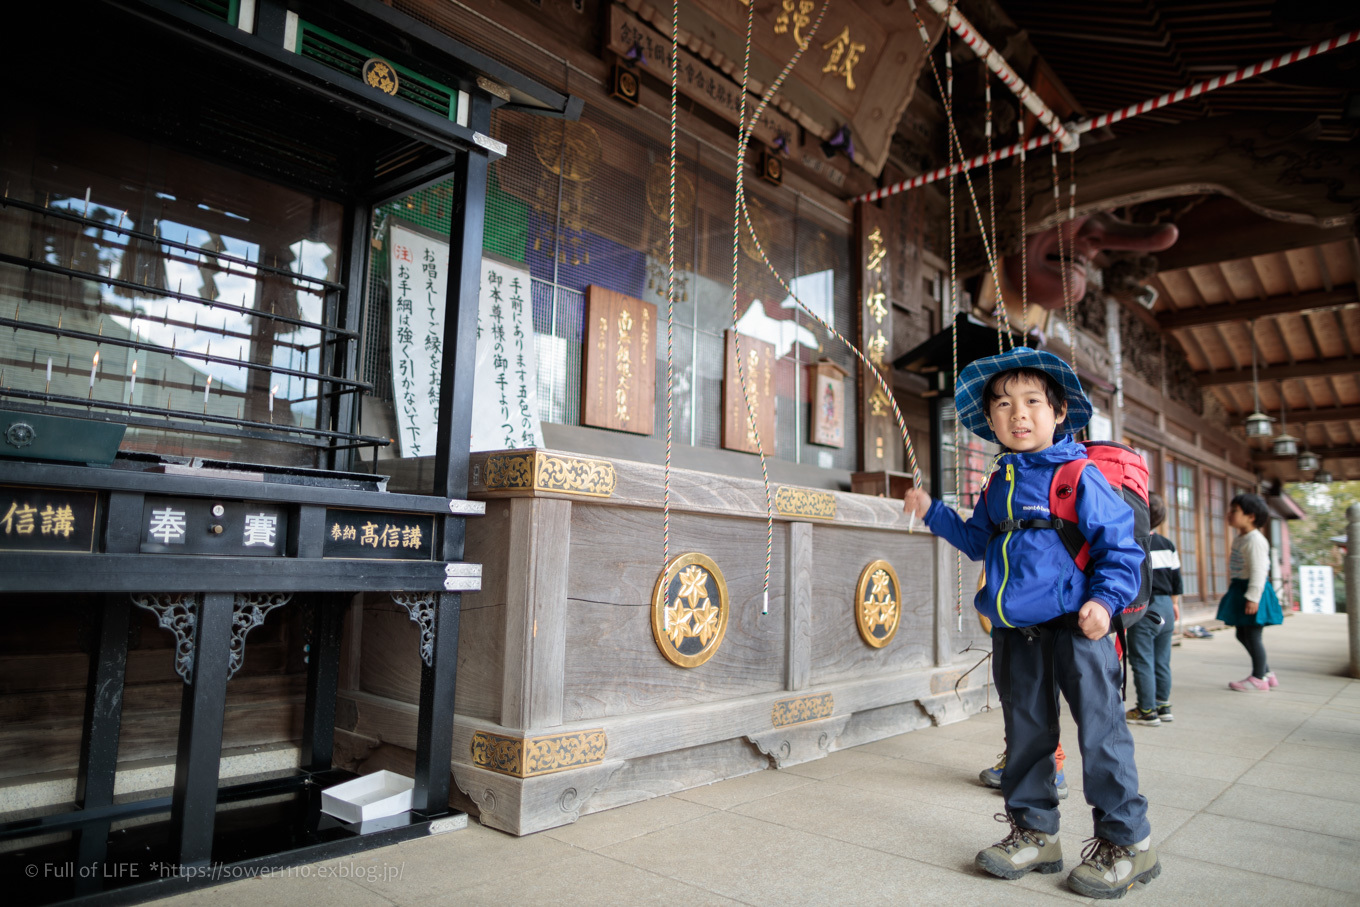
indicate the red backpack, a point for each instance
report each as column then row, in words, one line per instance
column 1126, row 471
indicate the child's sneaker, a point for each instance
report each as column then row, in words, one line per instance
column 1109, row 870
column 1060, row 782
column 1270, row 679
column 1164, row 712
column 992, row 776
column 1145, row 717
column 1023, row 850
column 1250, row 684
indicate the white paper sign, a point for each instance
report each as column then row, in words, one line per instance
column 505, row 404
column 505, row 395
column 1317, row 595
column 420, row 265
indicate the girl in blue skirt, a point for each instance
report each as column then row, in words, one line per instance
column 1250, row 603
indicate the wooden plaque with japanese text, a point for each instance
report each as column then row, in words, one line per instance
column 618, row 384
column 880, row 439
column 758, row 363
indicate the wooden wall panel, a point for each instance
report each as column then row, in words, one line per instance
column 613, row 666
column 839, row 555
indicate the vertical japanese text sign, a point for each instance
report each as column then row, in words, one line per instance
column 505, row 404
column 618, row 389
column 880, row 447
column 505, row 395
column 758, row 369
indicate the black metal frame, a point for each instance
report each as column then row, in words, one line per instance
column 117, row 567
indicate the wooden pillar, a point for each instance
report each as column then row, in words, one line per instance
column 536, row 613
column 198, row 761
column 946, row 597
column 798, row 633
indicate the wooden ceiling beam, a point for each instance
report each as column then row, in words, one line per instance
column 1256, row 308
column 1318, row 368
column 1222, row 229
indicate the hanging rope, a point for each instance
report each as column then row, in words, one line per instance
column 1024, row 233
column 1063, row 259
column 954, row 325
column 1003, row 337
column 742, row 133
column 760, row 249
column 957, row 145
column 670, row 284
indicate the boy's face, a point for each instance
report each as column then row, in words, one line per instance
column 1021, row 415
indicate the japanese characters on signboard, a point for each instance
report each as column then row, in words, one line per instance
column 505, row 393
column 505, row 401
column 378, row 535
column 740, row 430
column 172, row 525
column 46, row 519
column 618, row 387
column 1317, row 594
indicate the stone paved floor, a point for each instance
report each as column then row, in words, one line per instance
column 1255, row 799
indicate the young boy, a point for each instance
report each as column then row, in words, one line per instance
column 1150, row 638
column 1051, row 621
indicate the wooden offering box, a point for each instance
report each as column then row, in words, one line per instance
column 572, row 693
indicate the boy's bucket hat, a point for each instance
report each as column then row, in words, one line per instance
column 972, row 411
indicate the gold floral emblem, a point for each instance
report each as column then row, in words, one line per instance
column 878, row 604
column 689, row 610
column 381, row 75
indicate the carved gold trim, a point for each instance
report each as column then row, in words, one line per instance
column 880, row 606
column 813, row 707
column 524, row 757
column 536, row 470
column 693, row 613
column 574, row 475
column 804, row 502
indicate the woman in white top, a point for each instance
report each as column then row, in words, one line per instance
column 1250, row 603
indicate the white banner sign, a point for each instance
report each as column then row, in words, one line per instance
column 1317, row 595
column 505, row 405
column 505, row 396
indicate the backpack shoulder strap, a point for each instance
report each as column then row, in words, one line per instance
column 1062, row 506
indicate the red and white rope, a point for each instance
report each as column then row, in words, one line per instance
column 1133, row 110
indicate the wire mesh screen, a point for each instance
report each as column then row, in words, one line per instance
column 587, row 204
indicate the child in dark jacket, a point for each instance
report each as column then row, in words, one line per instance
column 1051, row 621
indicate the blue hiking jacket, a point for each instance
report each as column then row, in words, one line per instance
column 1030, row 576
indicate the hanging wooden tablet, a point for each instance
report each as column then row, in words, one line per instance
column 828, row 404
column 618, row 387
column 758, row 362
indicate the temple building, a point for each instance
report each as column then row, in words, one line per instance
column 407, row 387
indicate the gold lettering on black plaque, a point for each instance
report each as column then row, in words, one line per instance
column 46, row 519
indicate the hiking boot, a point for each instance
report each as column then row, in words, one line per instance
column 1250, row 684
column 1145, row 717
column 1270, row 679
column 1023, row 850
column 1109, row 870
column 1164, row 712
column 992, row 776
column 1060, row 782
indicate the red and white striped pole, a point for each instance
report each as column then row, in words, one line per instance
column 1133, row 110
